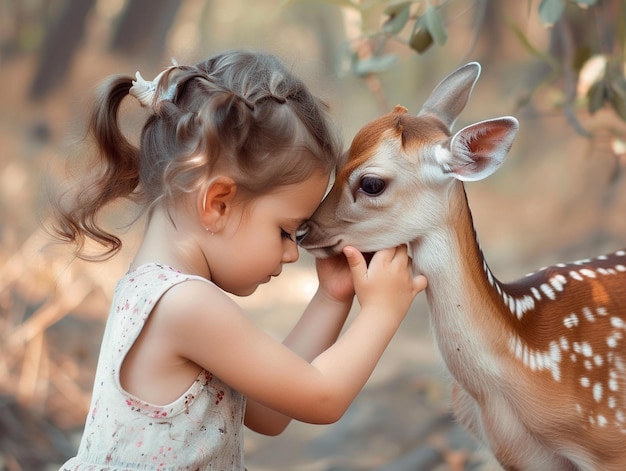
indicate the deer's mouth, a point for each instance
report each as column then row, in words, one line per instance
column 368, row 257
column 325, row 251
column 314, row 240
column 333, row 250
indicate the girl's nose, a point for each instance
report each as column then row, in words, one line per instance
column 291, row 254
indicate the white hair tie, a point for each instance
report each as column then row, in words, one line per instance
column 145, row 90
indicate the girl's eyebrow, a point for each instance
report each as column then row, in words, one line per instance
column 297, row 221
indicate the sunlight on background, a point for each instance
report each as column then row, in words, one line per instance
column 107, row 10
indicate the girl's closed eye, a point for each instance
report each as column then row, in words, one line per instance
column 286, row 235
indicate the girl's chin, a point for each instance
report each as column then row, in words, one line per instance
column 248, row 291
column 251, row 289
column 267, row 279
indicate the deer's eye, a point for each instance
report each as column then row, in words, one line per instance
column 372, row 186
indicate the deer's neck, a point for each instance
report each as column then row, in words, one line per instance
column 451, row 258
column 465, row 299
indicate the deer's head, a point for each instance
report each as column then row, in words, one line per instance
column 391, row 188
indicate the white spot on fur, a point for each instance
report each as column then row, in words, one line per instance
column 613, row 384
column 571, row 321
column 548, row 291
column 588, row 314
column 489, row 276
column 597, row 392
column 575, row 275
column 557, row 282
column 588, row 273
column 536, row 293
column 611, row 341
column 536, row 359
column 523, row 305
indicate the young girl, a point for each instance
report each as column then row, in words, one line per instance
column 235, row 154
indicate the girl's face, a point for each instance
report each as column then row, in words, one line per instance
column 259, row 239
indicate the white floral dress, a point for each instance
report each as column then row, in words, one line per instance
column 201, row 430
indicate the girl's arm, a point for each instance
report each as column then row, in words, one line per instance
column 199, row 323
column 317, row 330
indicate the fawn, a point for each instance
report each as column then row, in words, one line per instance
column 539, row 364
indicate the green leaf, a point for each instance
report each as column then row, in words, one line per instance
column 421, row 38
column 398, row 17
column 580, row 57
column 586, row 3
column 374, row 65
column 547, row 58
column 619, row 105
column 596, row 96
column 550, row 11
column 395, row 7
column 617, row 96
column 435, row 25
column 340, row 3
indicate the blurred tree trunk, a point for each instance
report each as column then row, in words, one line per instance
column 491, row 31
column 62, row 39
column 327, row 25
column 206, row 31
column 143, row 27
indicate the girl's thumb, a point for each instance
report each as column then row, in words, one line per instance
column 356, row 261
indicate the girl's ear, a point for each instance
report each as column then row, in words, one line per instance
column 215, row 203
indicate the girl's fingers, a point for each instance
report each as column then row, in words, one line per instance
column 356, row 261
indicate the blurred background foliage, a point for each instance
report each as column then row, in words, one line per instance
column 584, row 56
column 558, row 65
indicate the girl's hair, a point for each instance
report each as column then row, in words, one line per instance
column 240, row 113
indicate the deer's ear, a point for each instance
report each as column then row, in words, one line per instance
column 451, row 95
column 478, row 150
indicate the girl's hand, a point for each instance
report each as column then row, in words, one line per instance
column 388, row 283
column 335, row 278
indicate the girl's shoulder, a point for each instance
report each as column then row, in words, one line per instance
column 159, row 271
column 170, row 290
column 157, row 278
column 182, row 294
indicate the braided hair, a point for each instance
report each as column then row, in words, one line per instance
column 240, row 113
